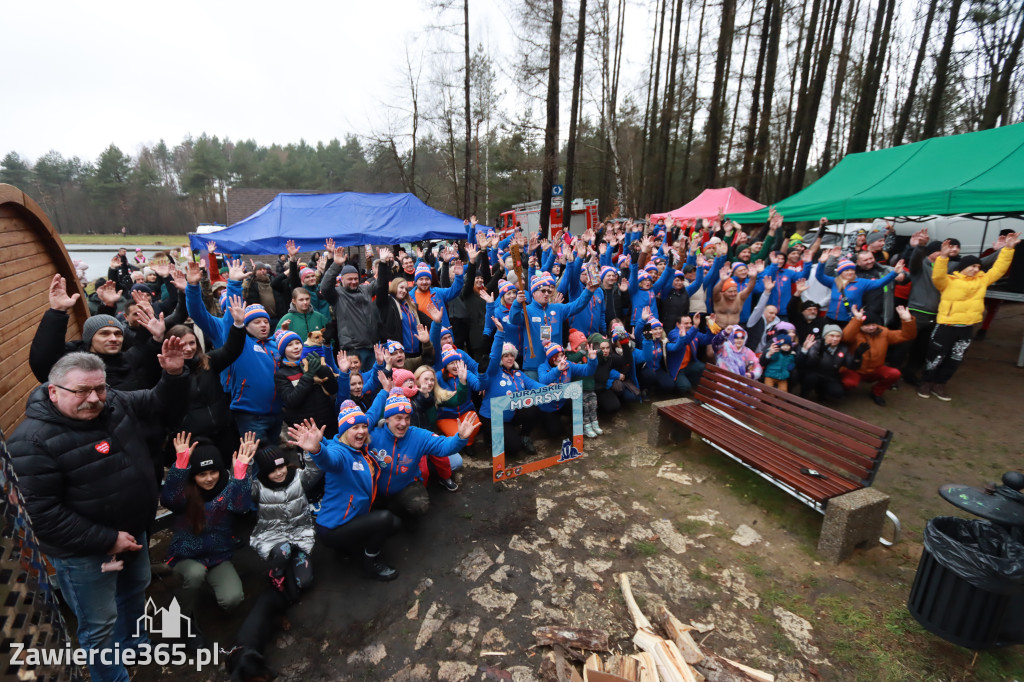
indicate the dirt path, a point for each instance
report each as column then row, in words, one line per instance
column 695, row 532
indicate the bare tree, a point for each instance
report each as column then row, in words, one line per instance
column 551, row 127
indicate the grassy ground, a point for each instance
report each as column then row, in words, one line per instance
column 133, row 239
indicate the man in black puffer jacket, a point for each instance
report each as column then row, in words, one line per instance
column 85, row 471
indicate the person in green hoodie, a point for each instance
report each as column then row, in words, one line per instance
column 301, row 318
column 578, row 354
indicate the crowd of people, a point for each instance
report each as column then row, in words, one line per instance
column 320, row 394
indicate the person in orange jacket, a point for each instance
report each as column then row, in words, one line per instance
column 870, row 341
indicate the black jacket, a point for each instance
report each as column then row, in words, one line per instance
column 83, row 481
column 209, row 407
column 130, row 370
column 303, row 398
column 825, row 361
column 673, row 304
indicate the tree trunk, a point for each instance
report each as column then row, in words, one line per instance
column 849, row 27
column 551, row 127
column 755, row 100
column 908, row 104
column 995, row 104
column 654, row 152
column 713, row 140
column 577, row 85
column 668, row 110
column 693, row 95
column 739, row 92
column 764, row 127
column 813, row 98
column 934, row 111
column 872, row 75
column 798, row 127
column 465, row 200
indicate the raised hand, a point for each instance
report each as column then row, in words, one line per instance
column 472, row 252
column 343, row 361
column 286, row 324
column 468, row 424
column 329, row 247
column 461, row 370
column 801, row 286
column 194, row 274
column 486, row 295
column 497, row 324
column 292, row 250
column 247, row 447
column 385, row 255
column 59, row 299
column 236, row 270
column 858, row 313
column 378, row 354
column 211, row 247
column 340, row 257
column 306, row 436
column 946, row 250
column 142, row 299
column 904, row 314
column 236, row 307
column 162, row 270
column 385, row 383
column 154, row 324
column 434, row 313
column 645, row 314
column 108, row 294
column 591, row 352
column 809, row 342
column 182, row 443
column 178, row 279
column 422, row 333
column 172, row 357
column 900, row 266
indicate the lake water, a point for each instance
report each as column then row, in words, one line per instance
column 97, row 256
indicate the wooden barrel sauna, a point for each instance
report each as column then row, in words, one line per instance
column 31, row 253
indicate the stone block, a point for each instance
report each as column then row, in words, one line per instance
column 661, row 430
column 853, row 520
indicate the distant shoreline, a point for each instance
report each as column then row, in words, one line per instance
column 168, row 240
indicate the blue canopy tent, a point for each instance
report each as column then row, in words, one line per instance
column 349, row 218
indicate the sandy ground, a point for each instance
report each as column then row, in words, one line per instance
column 716, row 545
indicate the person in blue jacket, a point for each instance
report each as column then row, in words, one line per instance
column 502, row 309
column 214, row 328
column 591, row 320
column 254, row 401
column 503, row 377
column 683, row 361
column 427, row 296
column 847, row 289
column 346, row 521
column 545, row 319
column 560, row 371
column 402, row 450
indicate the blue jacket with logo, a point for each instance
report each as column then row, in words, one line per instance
column 553, row 314
column 251, row 379
column 498, row 381
column 350, row 482
column 841, row 304
column 677, row 346
column 401, row 459
column 552, row 375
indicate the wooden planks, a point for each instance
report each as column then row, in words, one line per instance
column 31, row 253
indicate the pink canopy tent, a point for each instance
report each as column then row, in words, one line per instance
column 707, row 203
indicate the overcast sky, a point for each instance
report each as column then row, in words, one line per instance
column 81, row 76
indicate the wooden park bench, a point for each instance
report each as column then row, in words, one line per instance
column 826, row 459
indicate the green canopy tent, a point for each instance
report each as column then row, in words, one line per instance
column 981, row 173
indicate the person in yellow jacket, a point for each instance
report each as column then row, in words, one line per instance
column 962, row 305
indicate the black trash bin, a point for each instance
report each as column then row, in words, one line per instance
column 970, row 573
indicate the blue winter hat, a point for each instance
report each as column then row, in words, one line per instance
column 349, row 415
column 285, row 339
column 552, row 350
column 396, row 404
column 255, row 312
column 423, row 270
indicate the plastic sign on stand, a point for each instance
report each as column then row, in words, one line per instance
column 572, row 448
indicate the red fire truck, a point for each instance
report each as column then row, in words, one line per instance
column 584, row 217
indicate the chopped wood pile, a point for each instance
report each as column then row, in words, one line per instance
column 674, row 657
